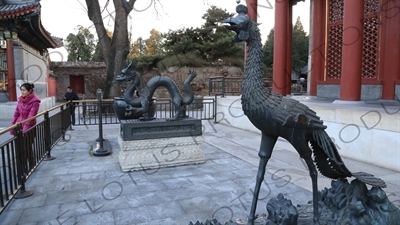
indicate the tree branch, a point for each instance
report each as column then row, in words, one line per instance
column 128, row 5
column 94, row 15
column 131, row 3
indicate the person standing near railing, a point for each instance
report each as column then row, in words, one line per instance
column 27, row 106
column 70, row 96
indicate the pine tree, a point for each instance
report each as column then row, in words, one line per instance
column 299, row 48
column 80, row 46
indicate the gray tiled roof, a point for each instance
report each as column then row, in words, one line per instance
column 32, row 32
column 18, row 9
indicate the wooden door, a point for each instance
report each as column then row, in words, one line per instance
column 77, row 83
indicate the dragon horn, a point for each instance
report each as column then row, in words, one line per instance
column 133, row 64
column 130, row 64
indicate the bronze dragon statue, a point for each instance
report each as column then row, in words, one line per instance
column 139, row 99
column 277, row 116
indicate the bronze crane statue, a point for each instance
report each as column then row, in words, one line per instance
column 277, row 116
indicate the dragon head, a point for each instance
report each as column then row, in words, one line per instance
column 239, row 24
column 127, row 73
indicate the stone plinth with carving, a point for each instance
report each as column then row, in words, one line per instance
column 160, row 143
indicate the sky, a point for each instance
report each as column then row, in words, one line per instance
column 61, row 17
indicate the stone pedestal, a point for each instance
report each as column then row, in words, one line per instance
column 160, row 143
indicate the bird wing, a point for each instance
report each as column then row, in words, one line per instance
column 294, row 114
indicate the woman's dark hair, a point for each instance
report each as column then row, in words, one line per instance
column 28, row 86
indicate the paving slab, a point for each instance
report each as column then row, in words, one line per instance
column 78, row 188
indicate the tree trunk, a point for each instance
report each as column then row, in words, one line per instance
column 115, row 49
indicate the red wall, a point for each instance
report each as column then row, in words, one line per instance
column 51, row 85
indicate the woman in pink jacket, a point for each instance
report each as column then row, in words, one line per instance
column 28, row 106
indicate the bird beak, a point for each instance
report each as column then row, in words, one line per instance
column 233, row 23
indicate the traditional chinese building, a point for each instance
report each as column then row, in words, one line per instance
column 23, row 50
column 354, row 48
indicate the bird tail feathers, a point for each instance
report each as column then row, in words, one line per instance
column 331, row 165
column 327, row 157
column 369, row 179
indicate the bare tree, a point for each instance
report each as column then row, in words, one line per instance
column 116, row 48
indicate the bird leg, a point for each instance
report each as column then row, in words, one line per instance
column 267, row 144
column 314, row 176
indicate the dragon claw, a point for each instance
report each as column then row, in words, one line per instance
column 193, row 73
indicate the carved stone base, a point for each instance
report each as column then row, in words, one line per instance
column 160, row 143
column 158, row 153
column 159, row 128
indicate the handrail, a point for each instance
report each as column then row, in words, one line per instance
column 221, row 85
column 7, row 129
column 216, row 85
column 21, row 153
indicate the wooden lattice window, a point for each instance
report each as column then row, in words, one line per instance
column 336, row 10
column 370, row 40
column 335, row 39
column 334, row 59
column 371, row 6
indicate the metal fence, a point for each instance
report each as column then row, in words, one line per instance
column 22, row 151
column 86, row 112
column 224, row 86
column 233, row 86
column 299, row 87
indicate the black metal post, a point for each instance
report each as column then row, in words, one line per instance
column 209, row 86
column 223, row 87
column 63, row 129
column 215, row 109
column 100, row 150
column 70, row 114
column 47, row 136
column 21, row 163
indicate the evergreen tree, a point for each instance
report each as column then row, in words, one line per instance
column 268, row 49
column 80, row 46
column 181, row 41
column 217, row 40
column 211, row 42
column 98, row 54
column 299, row 48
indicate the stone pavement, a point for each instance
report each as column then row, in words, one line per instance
column 78, row 188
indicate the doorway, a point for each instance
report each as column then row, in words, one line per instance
column 77, row 83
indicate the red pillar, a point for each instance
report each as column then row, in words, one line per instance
column 288, row 74
column 318, row 27
column 390, row 48
column 12, row 92
column 350, row 83
column 280, row 47
column 252, row 13
column 252, row 9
